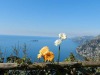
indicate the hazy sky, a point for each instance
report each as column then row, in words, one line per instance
column 50, row 17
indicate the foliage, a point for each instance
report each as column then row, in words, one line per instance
column 71, row 58
column 16, row 50
column 25, row 50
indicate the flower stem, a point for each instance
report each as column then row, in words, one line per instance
column 58, row 54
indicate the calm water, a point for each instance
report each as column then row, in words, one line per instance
column 7, row 43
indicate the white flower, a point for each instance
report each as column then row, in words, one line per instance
column 62, row 36
column 58, row 42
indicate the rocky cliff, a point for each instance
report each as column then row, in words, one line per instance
column 90, row 49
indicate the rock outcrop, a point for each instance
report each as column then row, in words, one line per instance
column 90, row 49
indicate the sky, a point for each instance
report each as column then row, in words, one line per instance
column 49, row 17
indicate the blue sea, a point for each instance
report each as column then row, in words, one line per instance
column 34, row 44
